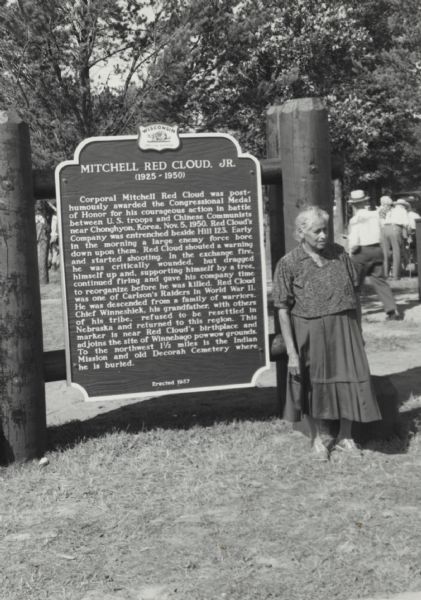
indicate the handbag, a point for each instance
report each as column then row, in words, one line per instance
column 278, row 347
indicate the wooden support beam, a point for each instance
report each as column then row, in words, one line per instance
column 43, row 184
column 22, row 400
column 54, row 365
column 297, row 137
column 271, row 171
column 418, row 248
column 277, row 233
column 305, row 155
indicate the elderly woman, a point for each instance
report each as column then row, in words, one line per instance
column 318, row 307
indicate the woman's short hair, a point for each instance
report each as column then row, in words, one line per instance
column 305, row 219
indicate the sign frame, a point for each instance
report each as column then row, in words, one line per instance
column 143, row 395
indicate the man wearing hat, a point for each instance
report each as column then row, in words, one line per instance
column 394, row 234
column 364, row 235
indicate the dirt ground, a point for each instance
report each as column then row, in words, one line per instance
column 393, row 348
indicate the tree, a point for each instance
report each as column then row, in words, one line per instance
column 361, row 57
column 51, row 52
column 375, row 117
column 217, row 65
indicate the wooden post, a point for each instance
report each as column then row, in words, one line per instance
column 305, row 154
column 276, row 228
column 276, row 214
column 338, row 215
column 298, row 135
column 418, row 249
column 22, row 404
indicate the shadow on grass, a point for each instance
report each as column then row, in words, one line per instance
column 392, row 435
column 177, row 411
column 393, row 393
column 407, row 383
column 408, row 305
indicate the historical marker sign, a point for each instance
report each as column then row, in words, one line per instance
column 163, row 268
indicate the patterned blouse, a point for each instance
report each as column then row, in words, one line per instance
column 311, row 291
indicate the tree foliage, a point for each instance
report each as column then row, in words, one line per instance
column 217, row 65
column 362, row 58
column 51, row 52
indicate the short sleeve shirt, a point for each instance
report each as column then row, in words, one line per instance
column 309, row 290
column 364, row 228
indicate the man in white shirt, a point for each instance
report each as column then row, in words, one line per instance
column 411, row 244
column 394, row 234
column 364, row 236
column 413, row 217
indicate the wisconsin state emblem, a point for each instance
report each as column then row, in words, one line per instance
column 158, row 136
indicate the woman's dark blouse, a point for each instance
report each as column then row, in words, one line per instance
column 309, row 290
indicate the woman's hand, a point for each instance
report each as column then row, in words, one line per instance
column 293, row 364
column 285, row 323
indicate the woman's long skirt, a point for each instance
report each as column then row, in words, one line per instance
column 335, row 380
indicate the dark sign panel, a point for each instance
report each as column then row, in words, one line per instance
column 163, row 269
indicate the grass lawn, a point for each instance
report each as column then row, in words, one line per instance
column 234, row 510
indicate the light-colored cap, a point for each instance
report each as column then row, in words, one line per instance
column 403, row 202
column 357, row 196
column 386, row 201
